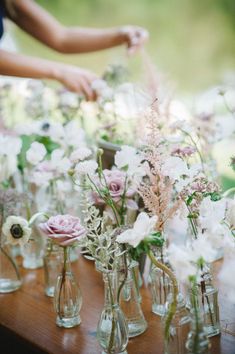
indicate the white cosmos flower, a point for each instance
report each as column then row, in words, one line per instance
column 86, row 168
column 181, row 261
column 36, row 153
column 174, row 167
column 143, row 227
column 80, row 154
column 16, row 230
column 8, row 166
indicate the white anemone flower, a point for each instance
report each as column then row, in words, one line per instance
column 36, row 153
column 16, row 230
column 143, row 227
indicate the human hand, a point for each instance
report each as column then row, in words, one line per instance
column 77, row 80
column 135, row 37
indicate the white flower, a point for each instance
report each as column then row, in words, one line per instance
column 174, row 167
column 16, row 230
column 8, row 166
column 86, row 168
column 202, row 247
column 226, row 278
column 41, row 178
column 10, row 145
column 143, row 227
column 181, row 261
column 36, row 153
column 60, row 163
column 129, row 160
column 80, row 154
column 211, row 213
column 231, row 213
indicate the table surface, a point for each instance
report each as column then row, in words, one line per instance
column 28, row 319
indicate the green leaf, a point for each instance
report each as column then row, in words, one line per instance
column 215, row 196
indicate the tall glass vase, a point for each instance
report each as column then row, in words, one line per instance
column 52, row 265
column 67, row 295
column 112, row 329
column 161, row 285
column 10, row 279
column 130, row 302
column 179, row 328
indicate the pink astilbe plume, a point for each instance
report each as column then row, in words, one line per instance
column 157, row 191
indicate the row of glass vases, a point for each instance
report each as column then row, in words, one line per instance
column 207, row 324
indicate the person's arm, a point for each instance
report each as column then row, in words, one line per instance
column 74, row 78
column 40, row 24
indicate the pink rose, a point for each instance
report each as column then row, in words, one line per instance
column 115, row 181
column 64, row 229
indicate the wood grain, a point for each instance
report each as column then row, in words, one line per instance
column 27, row 319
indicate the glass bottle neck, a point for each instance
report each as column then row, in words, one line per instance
column 110, row 288
column 66, row 259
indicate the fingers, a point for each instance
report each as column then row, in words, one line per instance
column 136, row 37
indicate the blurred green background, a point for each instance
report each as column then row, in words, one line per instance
column 192, row 41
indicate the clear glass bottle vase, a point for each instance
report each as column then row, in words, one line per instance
column 67, row 295
column 160, row 284
column 197, row 341
column 179, row 328
column 10, row 279
column 33, row 251
column 52, row 266
column 208, row 302
column 112, row 329
column 130, row 302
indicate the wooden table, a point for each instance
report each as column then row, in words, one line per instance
column 27, row 320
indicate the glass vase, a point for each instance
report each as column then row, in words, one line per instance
column 52, row 266
column 197, row 341
column 208, row 302
column 130, row 302
column 112, row 329
column 160, row 284
column 33, row 251
column 10, row 279
column 67, row 295
column 179, row 328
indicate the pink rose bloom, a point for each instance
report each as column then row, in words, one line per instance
column 63, row 229
column 116, row 184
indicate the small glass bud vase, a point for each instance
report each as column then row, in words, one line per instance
column 161, row 285
column 10, row 279
column 130, row 302
column 67, row 295
column 179, row 328
column 33, row 251
column 52, row 266
column 112, row 329
column 197, row 341
column 208, row 302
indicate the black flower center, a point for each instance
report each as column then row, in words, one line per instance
column 17, row 231
column 45, row 127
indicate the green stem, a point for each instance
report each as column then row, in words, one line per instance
column 112, row 334
column 63, row 278
column 173, row 305
column 125, row 275
column 196, row 315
